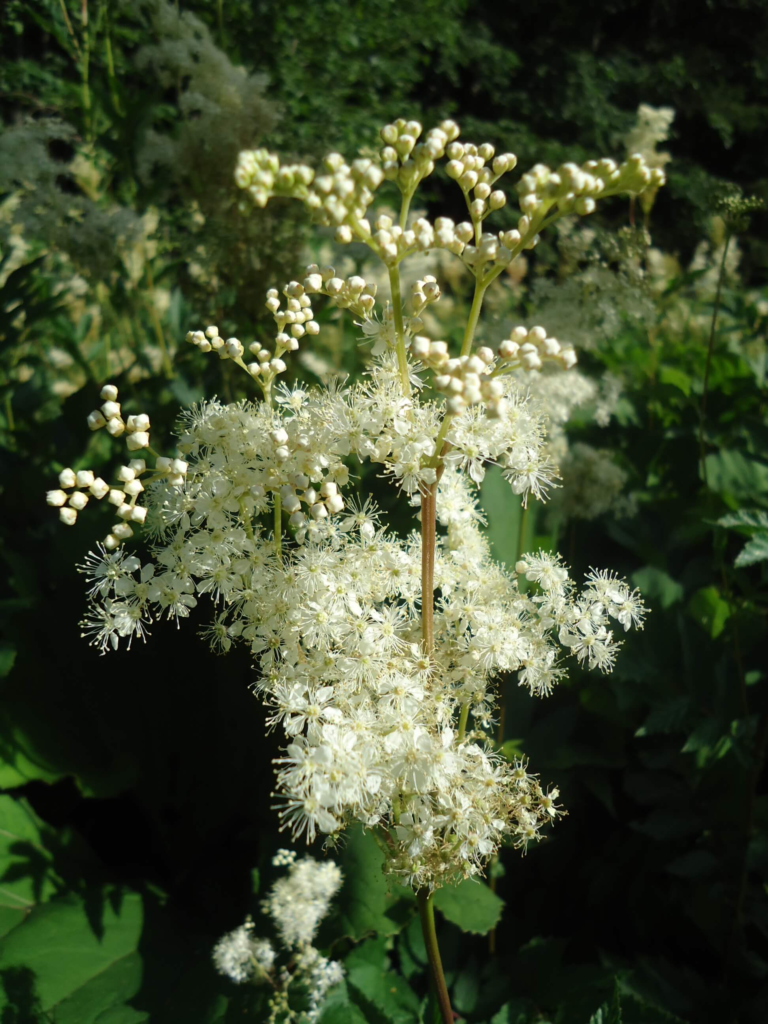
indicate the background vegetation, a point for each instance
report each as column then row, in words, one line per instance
column 135, row 821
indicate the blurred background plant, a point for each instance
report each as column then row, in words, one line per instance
column 134, row 817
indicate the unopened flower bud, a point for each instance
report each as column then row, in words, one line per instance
column 95, row 420
column 68, row 516
column 78, row 500
column 84, row 478
column 99, row 488
column 56, row 498
column 335, row 503
column 67, row 478
column 133, row 488
column 139, row 439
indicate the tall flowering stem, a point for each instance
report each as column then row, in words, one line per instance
column 474, row 316
column 427, row 915
column 387, row 694
column 397, row 309
column 428, row 536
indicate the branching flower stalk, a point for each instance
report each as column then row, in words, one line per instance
column 379, row 656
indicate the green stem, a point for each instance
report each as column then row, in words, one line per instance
column 428, row 536
column 427, row 914
column 111, row 72
column 474, row 316
column 85, row 69
column 521, row 532
column 246, row 521
column 405, row 207
column 279, row 528
column 9, row 412
column 397, row 307
column 710, row 349
column 463, row 717
column 71, row 31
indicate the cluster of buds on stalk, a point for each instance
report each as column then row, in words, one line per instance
column 530, row 349
column 296, row 318
column 423, row 293
column 320, row 503
column 84, row 484
column 354, row 293
column 573, row 189
column 465, row 380
column 261, row 175
column 407, row 161
column 110, row 416
column 477, row 169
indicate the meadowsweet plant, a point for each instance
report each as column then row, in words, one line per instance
column 377, row 654
column 296, row 903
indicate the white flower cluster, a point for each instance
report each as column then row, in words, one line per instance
column 334, row 626
column 297, row 904
column 84, row 484
column 378, row 655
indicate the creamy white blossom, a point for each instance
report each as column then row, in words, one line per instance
column 296, row 903
column 378, row 656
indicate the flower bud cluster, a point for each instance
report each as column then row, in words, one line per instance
column 393, row 243
column 320, row 503
column 293, row 322
column 407, row 161
column 466, row 380
column 341, row 196
column 109, row 415
column 84, row 484
column 574, row 189
column 261, row 175
column 354, row 293
column 530, row 349
column 424, row 292
column 477, row 169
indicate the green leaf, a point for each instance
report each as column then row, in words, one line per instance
column 710, row 610
column 747, row 519
column 365, row 902
column 731, row 473
column 470, row 905
column 516, row 1011
column 678, row 379
column 339, row 1009
column 505, row 518
column 7, row 658
column 383, row 995
column 27, row 874
column 755, row 550
column 657, row 585
column 79, row 978
column 609, row 1013
column 694, row 864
